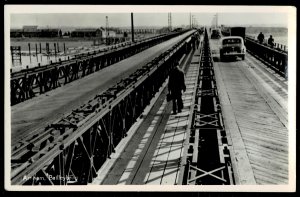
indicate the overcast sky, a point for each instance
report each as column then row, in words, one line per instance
column 145, row 19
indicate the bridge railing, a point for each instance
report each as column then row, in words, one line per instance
column 275, row 58
column 73, row 148
column 277, row 46
column 206, row 157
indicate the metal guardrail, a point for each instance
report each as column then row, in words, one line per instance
column 206, row 159
column 30, row 82
column 274, row 58
column 277, row 46
column 72, row 149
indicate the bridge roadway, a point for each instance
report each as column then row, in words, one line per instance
column 40, row 111
column 152, row 151
column 254, row 106
column 254, row 102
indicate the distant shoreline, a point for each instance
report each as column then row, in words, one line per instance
column 273, row 30
column 55, row 39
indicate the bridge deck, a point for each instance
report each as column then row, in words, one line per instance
column 40, row 111
column 254, row 106
column 153, row 154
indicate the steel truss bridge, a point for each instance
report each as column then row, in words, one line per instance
column 74, row 147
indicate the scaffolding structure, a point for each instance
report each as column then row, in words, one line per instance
column 170, row 21
column 16, row 55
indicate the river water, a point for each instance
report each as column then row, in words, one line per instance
column 34, row 59
column 280, row 39
column 72, row 48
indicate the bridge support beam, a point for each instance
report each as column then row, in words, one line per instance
column 76, row 146
column 46, row 78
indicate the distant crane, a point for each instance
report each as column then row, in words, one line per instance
column 170, row 21
column 215, row 21
column 193, row 21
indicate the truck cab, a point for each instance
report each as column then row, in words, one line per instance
column 215, row 34
column 238, row 31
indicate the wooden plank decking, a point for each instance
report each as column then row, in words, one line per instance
column 262, row 132
column 154, row 153
column 255, row 119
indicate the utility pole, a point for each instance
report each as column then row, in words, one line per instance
column 132, row 27
column 193, row 21
column 190, row 20
column 171, row 21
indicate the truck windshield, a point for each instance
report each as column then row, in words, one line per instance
column 232, row 41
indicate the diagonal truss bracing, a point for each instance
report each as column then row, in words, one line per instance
column 31, row 82
column 206, row 160
column 72, row 149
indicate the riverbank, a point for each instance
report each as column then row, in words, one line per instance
column 34, row 50
column 69, row 42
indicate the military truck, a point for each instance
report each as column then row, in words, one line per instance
column 238, row 31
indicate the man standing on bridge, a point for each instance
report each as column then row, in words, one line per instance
column 260, row 37
column 271, row 41
column 176, row 84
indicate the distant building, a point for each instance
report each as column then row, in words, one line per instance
column 137, row 30
column 86, row 32
column 111, row 33
column 34, row 31
column 163, row 30
column 16, row 33
column 50, row 32
column 178, row 29
column 30, row 31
